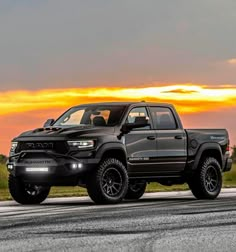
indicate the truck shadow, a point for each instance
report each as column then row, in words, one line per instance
column 77, row 202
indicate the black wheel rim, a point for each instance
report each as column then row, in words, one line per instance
column 211, row 179
column 112, row 182
column 33, row 190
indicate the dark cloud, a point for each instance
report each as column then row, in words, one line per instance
column 180, row 91
column 77, row 43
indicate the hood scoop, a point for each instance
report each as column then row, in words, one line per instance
column 76, row 128
column 46, row 130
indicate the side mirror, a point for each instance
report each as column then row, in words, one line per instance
column 48, row 123
column 140, row 122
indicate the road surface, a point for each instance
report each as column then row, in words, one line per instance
column 171, row 221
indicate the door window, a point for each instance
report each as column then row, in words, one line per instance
column 135, row 113
column 163, row 118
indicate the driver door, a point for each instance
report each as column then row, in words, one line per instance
column 140, row 145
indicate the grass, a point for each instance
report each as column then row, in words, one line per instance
column 3, row 176
column 229, row 181
column 230, row 177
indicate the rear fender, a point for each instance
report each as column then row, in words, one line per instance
column 206, row 150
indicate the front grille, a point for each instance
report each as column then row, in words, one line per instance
column 58, row 146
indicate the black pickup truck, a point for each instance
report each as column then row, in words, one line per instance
column 114, row 150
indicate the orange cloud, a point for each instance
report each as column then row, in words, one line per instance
column 23, row 110
column 188, row 98
column 232, row 61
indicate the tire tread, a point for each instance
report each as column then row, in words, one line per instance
column 16, row 189
column 94, row 187
column 197, row 185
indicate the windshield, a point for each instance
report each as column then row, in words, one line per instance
column 96, row 115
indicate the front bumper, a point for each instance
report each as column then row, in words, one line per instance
column 49, row 168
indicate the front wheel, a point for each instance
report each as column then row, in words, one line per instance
column 136, row 189
column 207, row 182
column 26, row 193
column 109, row 183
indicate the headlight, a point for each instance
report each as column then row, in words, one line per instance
column 82, row 144
column 13, row 146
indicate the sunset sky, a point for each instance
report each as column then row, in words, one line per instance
column 56, row 54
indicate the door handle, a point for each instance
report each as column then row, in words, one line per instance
column 178, row 137
column 151, row 137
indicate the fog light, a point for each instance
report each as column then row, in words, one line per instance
column 10, row 167
column 75, row 166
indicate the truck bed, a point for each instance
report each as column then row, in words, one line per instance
column 197, row 137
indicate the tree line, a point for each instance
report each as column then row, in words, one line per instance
column 3, row 159
column 234, row 153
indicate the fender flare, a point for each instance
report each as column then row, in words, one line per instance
column 108, row 147
column 205, row 147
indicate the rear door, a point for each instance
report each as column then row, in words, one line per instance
column 171, row 140
column 140, row 145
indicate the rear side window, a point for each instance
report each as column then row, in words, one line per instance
column 163, row 118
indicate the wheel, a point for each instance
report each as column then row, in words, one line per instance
column 109, row 183
column 26, row 193
column 136, row 189
column 207, row 182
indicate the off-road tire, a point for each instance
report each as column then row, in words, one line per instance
column 136, row 190
column 20, row 192
column 207, row 181
column 109, row 183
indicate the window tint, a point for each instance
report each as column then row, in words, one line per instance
column 102, row 113
column 163, row 118
column 97, row 115
column 134, row 115
column 73, row 118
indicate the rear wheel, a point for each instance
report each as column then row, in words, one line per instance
column 109, row 183
column 136, row 189
column 26, row 193
column 207, row 182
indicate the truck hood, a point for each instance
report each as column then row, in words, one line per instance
column 65, row 132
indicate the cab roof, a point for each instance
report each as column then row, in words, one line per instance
column 143, row 103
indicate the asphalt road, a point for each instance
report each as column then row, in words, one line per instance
column 158, row 222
